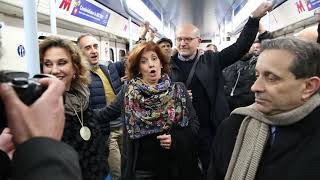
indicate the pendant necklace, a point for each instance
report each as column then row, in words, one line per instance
column 85, row 132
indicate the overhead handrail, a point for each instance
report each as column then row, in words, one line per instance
column 136, row 17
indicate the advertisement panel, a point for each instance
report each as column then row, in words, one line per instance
column 87, row 11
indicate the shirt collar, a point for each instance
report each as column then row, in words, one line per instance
column 181, row 58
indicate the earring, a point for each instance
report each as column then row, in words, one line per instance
column 74, row 76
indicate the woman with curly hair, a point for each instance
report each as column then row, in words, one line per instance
column 63, row 59
column 160, row 123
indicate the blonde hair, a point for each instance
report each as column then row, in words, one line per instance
column 78, row 60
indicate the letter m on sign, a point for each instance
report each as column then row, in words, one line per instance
column 65, row 4
column 300, row 6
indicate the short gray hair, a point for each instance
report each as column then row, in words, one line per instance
column 306, row 61
column 82, row 36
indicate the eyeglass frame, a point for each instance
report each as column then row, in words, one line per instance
column 186, row 39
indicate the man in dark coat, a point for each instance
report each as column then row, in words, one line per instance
column 276, row 137
column 240, row 76
column 105, row 85
column 36, row 131
column 207, row 82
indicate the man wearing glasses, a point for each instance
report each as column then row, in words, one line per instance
column 202, row 74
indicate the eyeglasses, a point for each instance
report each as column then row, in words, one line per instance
column 186, row 39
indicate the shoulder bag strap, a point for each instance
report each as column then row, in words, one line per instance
column 193, row 69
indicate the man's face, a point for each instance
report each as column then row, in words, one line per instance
column 256, row 48
column 187, row 42
column 166, row 48
column 276, row 88
column 211, row 48
column 89, row 46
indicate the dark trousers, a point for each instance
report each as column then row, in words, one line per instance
column 144, row 175
column 205, row 142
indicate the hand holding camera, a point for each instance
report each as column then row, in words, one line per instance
column 44, row 117
column 28, row 90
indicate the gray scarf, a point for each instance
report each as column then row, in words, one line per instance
column 253, row 135
column 77, row 98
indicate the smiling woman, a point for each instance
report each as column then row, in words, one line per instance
column 63, row 59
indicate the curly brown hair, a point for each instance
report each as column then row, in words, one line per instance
column 132, row 69
column 79, row 62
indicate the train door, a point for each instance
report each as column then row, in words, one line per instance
column 104, row 50
column 121, row 51
column 112, row 51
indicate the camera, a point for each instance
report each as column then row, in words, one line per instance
column 28, row 89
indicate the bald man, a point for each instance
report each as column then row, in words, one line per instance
column 206, row 83
column 309, row 34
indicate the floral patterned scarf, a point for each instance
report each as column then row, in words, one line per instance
column 150, row 110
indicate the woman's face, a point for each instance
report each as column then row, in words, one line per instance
column 57, row 61
column 150, row 67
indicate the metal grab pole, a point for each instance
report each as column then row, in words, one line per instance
column 31, row 37
column 53, row 15
column 130, row 34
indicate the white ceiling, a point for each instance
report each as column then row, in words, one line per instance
column 205, row 14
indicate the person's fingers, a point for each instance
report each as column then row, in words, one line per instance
column 13, row 105
column 164, row 136
column 11, row 152
column 11, row 146
column 166, row 141
column 9, row 97
column 160, row 137
column 166, row 146
column 61, row 118
column 268, row 6
column 6, row 143
column 6, row 131
column 55, row 87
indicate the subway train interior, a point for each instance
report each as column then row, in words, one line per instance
column 117, row 25
column 171, row 103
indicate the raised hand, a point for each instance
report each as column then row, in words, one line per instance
column 262, row 9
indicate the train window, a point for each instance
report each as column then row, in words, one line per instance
column 111, row 54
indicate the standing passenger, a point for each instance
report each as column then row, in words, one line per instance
column 165, row 45
column 211, row 47
column 206, row 81
column 277, row 137
column 161, row 124
column 106, row 83
column 82, row 131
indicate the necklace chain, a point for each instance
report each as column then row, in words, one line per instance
column 80, row 120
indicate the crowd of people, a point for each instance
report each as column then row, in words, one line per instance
column 246, row 112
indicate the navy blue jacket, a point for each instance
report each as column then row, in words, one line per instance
column 97, row 94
